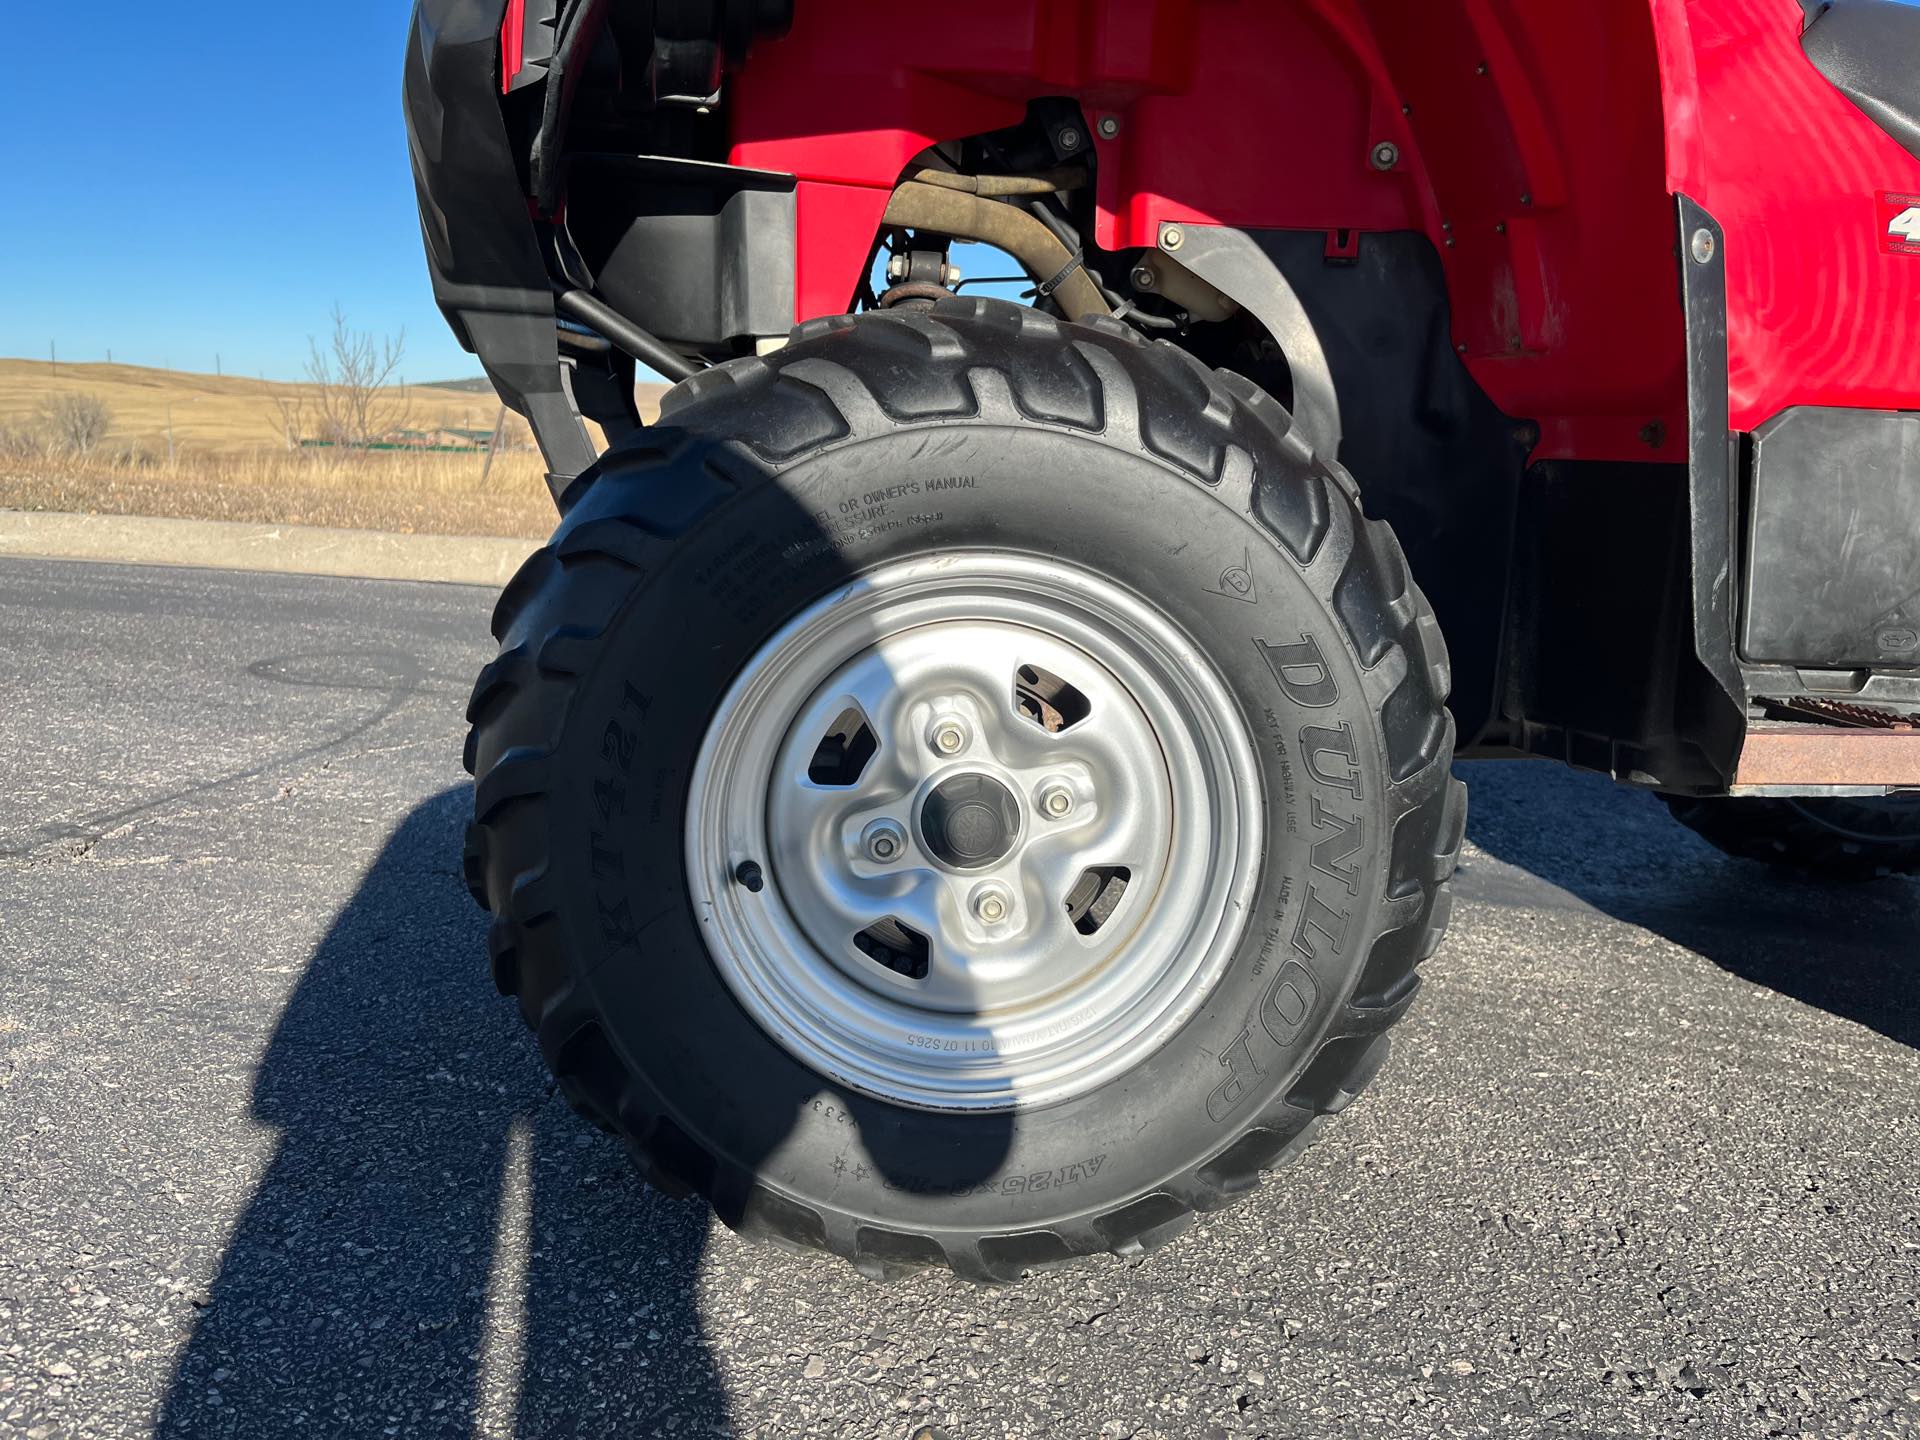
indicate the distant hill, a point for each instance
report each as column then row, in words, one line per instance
column 477, row 385
column 233, row 412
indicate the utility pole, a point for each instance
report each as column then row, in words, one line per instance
column 169, row 434
column 216, row 364
column 53, row 358
column 499, row 429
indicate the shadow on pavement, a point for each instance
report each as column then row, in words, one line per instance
column 438, row 1240
column 1851, row 949
column 438, row 1236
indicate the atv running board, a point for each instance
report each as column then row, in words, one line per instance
column 1858, row 750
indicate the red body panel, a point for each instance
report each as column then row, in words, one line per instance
column 1819, row 312
column 513, row 39
column 1538, row 147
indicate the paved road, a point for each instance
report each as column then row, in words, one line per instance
column 274, row 1160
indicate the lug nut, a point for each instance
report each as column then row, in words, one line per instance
column 884, row 842
column 1056, row 800
column 948, row 737
column 991, row 905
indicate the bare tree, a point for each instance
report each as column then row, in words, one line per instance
column 349, row 398
column 74, row 423
column 19, row 442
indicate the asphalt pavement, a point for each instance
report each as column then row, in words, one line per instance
column 275, row 1160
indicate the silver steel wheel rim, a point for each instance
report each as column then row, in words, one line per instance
column 1021, row 1004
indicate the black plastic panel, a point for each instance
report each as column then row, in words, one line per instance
column 1833, row 540
column 1434, row 456
column 1870, row 50
column 699, row 254
column 482, row 254
column 1603, row 673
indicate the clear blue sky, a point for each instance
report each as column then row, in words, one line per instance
column 192, row 181
column 186, row 180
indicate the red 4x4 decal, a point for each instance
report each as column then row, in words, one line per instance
column 1899, row 223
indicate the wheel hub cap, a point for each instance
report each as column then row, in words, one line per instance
column 969, row 821
column 1009, row 822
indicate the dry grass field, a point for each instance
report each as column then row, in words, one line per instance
column 231, row 460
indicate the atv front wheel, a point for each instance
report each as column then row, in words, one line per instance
column 964, row 790
column 1835, row 837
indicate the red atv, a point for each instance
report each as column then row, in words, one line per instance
column 970, row 785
